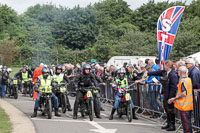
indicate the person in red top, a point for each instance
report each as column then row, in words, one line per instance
column 37, row 72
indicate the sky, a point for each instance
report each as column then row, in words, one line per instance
column 21, row 6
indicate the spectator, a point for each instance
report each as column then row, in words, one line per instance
column 151, row 90
column 131, row 74
column 170, row 87
column 146, row 61
column 184, row 99
column 197, row 64
column 179, row 64
column 153, row 65
column 193, row 73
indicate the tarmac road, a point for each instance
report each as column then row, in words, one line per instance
column 66, row 123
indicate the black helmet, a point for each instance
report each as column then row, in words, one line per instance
column 86, row 66
column 59, row 67
column 32, row 68
column 45, row 70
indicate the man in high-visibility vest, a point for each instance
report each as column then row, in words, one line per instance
column 184, row 99
column 24, row 75
column 45, row 81
column 59, row 77
column 122, row 84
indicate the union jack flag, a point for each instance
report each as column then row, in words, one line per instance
column 167, row 27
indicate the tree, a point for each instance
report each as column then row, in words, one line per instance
column 185, row 44
column 8, row 22
column 135, row 43
column 8, row 51
column 75, row 28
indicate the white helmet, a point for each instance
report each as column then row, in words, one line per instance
column 9, row 70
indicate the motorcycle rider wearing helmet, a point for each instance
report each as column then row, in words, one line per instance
column 86, row 79
column 23, row 74
column 60, row 77
column 42, row 81
column 122, row 82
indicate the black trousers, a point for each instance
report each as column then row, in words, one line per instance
column 80, row 99
column 169, row 109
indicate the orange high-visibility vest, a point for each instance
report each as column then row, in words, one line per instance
column 184, row 103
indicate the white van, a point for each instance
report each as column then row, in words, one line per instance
column 119, row 61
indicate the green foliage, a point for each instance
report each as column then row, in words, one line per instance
column 8, row 22
column 75, row 28
column 137, row 44
column 186, row 43
column 147, row 15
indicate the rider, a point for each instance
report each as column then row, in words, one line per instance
column 122, row 82
column 23, row 75
column 59, row 78
column 43, row 81
column 86, row 79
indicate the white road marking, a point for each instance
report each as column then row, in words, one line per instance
column 104, row 114
column 100, row 129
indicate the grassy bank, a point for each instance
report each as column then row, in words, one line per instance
column 5, row 124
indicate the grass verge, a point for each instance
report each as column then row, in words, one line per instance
column 5, row 123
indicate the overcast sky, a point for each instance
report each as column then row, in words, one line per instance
column 21, row 5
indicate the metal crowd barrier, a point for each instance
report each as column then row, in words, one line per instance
column 152, row 102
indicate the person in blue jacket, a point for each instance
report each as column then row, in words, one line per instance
column 152, row 89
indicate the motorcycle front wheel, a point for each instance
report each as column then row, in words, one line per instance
column 129, row 113
column 49, row 109
column 16, row 93
column 64, row 103
column 91, row 109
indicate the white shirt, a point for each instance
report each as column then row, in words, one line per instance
column 168, row 72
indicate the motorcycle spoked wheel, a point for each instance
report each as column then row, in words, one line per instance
column 129, row 113
column 25, row 89
column 119, row 114
column 31, row 91
column 15, row 92
column 91, row 109
column 64, row 103
column 49, row 108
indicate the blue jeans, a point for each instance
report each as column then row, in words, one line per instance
column 119, row 99
column 54, row 98
column 2, row 90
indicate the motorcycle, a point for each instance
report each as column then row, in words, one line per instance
column 13, row 88
column 61, row 93
column 88, row 102
column 124, row 107
column 28, row 87
column 45, row 105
